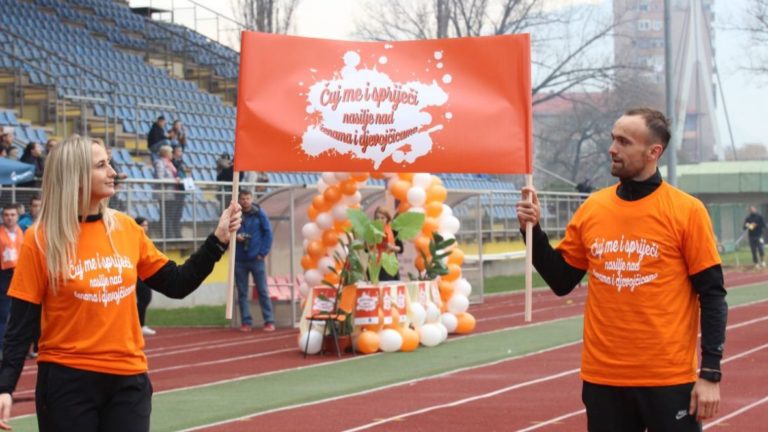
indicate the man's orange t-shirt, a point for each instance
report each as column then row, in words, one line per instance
column 92, row 322
column 641, row 317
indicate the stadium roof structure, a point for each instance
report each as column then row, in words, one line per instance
column 728, row 177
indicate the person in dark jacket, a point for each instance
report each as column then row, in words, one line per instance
column 254, row 240
column 156, row 136
column 755, row 226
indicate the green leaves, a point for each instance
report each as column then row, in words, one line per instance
column 389, row 263
column 408, row 225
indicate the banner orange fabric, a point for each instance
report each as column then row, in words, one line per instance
column 445, row 105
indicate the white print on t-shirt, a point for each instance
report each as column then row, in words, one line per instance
column 623, row 256
column 106, row 296
column 81, row 267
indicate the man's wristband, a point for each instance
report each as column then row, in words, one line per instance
column 710, row 375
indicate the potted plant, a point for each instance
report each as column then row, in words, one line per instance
column 360, row 260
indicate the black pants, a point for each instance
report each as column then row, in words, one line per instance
column 635, row 409
column 70, row 399
column 143, row 298
column 756, row 245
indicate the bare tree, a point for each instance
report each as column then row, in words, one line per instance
column 757, row 28
column 269, row 16
column 566, row 45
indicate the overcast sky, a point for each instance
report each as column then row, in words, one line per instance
column 745, row 94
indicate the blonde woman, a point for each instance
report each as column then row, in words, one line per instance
column 78, row 268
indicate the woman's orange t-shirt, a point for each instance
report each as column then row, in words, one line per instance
column 92, row 323
column 641, row 318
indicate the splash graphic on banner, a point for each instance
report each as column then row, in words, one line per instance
column 366, row 113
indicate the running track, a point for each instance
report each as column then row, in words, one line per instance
column 509, row 395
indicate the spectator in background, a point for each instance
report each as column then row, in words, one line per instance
column 50, row 145
column 12, row 153
column 6, row 138
column 389, row 243
column 755, row 225
column 174, row 201
column 224, row 162
column 254, row 240
column 11, row 239
column 27, row 219
column 156, row 136
column 143, row 291
column 33, row 155
column 178, row 135
column 178, row 161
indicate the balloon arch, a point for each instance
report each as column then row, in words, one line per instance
column 429, row 319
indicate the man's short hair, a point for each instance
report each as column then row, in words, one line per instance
column 13, row 206
column 35, row 197
column 245, row 192
column 656, row 122
column 160, row 118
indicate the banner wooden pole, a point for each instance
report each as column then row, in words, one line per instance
column 529, row 259
column 232, row 244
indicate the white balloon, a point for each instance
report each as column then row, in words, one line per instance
column 450, row 224
column 321, row 185
column 418, row 314
column 417, row 196
column 433, row 313
column 341, row 176
column 447, row 211
column 305, row 243
column 429, row 335
column 311, row 231
column 330, row 178
column 443, row 331
column 458, row 304
column 463, row 287
column 422, row 180
column 390, row 340
column 324, row 220
column 339, row 211
column 313, row 277
column 311, row 342
column 353, row 199
column 304, row 289
column 323, row 264
column 449, row 321
column 416, row 209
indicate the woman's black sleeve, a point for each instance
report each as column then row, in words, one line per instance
column 25, row 316
column 178, row 281
column 561, row 277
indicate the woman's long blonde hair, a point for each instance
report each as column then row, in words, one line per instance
column 65, row 203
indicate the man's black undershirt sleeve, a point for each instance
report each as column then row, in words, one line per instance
column 709, row 285
column 561, row 277
column 178, row 281
column 18, row 338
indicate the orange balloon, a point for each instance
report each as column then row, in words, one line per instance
column 436, row 193
column 399, row 189
column 410, row 340
column 456, row 257
column 433, row 209
column 331, row 278
column 320, row 203
column 348, row 187
column 342, row 226
column 332, row 195
column 403, row 207
column 312, row 212
column 465, row 323
column 360, row 177
column 330, row 238
column 315, row 249
column 422, row 244
column 406, row 176
column 368, row 342
column 419, row 263
column 307, row 262
column 454, row 272
column 436, row 180
column 430, row 226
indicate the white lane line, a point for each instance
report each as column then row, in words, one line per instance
column 735, row 413
column 554, row 420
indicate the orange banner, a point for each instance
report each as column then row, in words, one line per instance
column 445, row 105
